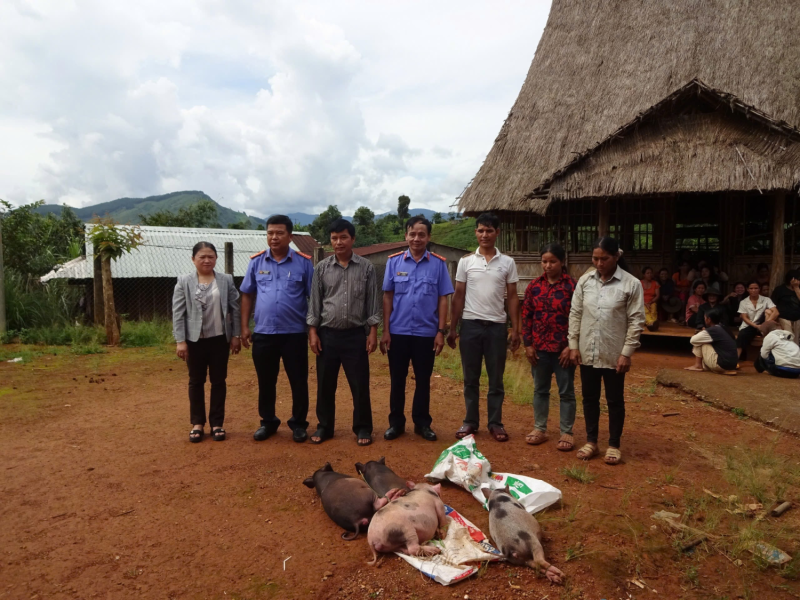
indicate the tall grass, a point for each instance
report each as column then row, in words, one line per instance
column 137, row 334
column 30, row 304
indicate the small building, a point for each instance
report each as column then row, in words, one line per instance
column 671, row 126
column 144, row 280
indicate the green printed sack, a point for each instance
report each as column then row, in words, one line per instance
column 463, row 464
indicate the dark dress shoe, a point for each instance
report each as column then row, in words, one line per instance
column 393, row 433
column 261, row 434
column 426, row 432
column 300, row 435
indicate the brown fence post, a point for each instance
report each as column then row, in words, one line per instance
column 97, row 281
column 229, row 258
column 319, row 254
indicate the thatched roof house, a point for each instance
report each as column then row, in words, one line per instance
column 639, row 117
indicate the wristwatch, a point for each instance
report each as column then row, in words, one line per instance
column 442, row 331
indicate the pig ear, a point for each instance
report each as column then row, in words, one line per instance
column 410, row 485
column 382, row 460
column 359, row 468
column 438, row 489
column 486, row 492
column 507, row 490
column 309, row 482
column 327, row 467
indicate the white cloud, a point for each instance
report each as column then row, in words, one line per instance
column 267, row 107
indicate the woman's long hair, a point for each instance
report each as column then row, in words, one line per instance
column 611, row 246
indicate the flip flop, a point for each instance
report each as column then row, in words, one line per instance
column 536, row 437
column 588, row 451
column 196, row 435
column 498, row 433
column 613, row 455
column 568, row 439
column 218, row 434
column 363, row 435
column 320, row 433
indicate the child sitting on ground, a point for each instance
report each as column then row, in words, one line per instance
column 780, row 355
column 714, row 348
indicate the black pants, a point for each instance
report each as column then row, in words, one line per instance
column 615, row 399
column 419, row 352
column 207, row 355
column 343, row 348
column 745, row 338
column 483, row 340
column 268, row 350
column 770, row 367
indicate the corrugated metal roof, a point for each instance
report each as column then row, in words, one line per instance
column 167, row 252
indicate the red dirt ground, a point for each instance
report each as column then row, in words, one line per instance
column 103, row 496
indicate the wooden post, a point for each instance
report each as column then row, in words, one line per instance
column 319, row 254
column 2, row 287
column 229, row 258
column 778, row 249
column 97, row 292
column 603, row 217
column 111, row 320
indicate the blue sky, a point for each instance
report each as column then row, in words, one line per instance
column 266, row 106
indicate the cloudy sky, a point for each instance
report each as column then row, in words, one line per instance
column 265, row 105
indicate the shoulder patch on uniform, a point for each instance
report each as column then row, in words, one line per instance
column 439, row 256
column 257, row 254
column 303, row 255
column 396, row 254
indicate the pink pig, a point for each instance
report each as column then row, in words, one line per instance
column 406, row 523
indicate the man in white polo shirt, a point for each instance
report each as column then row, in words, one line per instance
column 482, row 281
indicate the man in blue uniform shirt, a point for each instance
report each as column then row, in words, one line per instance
column 415, row 289
column 279, row 280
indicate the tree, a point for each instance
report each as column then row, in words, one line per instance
column 366, row 233
column 202, row 214
column 319, row 228
column 437, row 218
column 241, row 225
column 111, row 241
column 403, row 203
column 33, row 244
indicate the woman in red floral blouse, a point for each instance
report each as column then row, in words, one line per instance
column 545, row 323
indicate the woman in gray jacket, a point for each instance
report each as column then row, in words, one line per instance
column 205, row 323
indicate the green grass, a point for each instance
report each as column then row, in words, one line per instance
column 739, row 412
column 89, row 339
column 579, row 473
column 138, row 334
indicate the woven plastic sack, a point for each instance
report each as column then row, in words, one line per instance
column 463, row 464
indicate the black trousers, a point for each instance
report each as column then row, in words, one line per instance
column 419, row 352
column 745, row 338
column 268, row 350
column 483, row 341
column 343, row 348
column 614, row 382
column 208, row 355
column 770, row 367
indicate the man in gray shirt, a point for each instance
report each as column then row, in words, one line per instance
column 343, row 305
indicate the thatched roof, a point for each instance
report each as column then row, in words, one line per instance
column 603, row 110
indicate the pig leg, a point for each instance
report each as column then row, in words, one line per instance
column 414, row 549
column 379, row 503
column 538, row 562
column 395, row 493
column 442, row 521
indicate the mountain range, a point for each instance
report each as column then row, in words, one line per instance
column 127, row 210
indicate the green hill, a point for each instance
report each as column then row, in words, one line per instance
column 127, row 210
column 458, row 234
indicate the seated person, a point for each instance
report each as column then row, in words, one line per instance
column 787, row 300
column 755, row 310
column 780, row 355
column 666, row 293
column 651, row 294
column 707, row 276
column 765, row 290
column 731, row 302
column 683, row 280
column 762, row 274
column 714, row 348
column 712, row 301
column 694, row 302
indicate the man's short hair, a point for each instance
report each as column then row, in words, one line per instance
column 340, row 225
column 793, row 274
column 416, row 220
column 715, row 316
column 488, row 219
column 281, row 220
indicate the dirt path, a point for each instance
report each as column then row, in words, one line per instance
column 104, row 497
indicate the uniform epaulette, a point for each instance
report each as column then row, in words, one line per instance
column 396, row 254
column 257, row 254
column 439, row 256
column 303, row 255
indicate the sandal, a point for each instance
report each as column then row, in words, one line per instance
column 218, row 434
column 321, row 435
column 498, row 433
column 566, row 442
column 588, row 451
column 364, row 438
column 465, row 431
column 536, row 437
column 613, row 456
column 196, row 435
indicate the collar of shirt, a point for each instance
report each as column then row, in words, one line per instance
column 617, row 275
column 289, row 256
column 543, row 278
column 407, row 255
column 497, row 254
